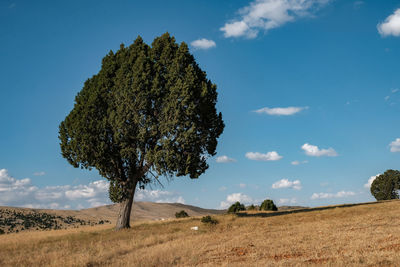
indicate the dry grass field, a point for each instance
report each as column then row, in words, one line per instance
column 366, row 235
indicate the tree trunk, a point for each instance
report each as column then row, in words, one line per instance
column 125, row 209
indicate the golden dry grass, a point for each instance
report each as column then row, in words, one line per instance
column 367, row 235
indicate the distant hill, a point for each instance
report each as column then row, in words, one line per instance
column 14, row 219
column 148, row 211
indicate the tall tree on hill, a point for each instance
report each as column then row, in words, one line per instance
column 386, row 185
column 149, row 112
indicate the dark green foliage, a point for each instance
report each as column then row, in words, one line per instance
column 386, row 185
column 209, row 220
column 268, row 204
column 181, row 214
column 236, row 207
column 149, row 112
column 2, row 232
column 116, row 192
column 251, row 207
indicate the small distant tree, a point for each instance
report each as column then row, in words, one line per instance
column 251, row 207
column 386, row 185
column 181, row 214
column 268, row 204
column 236, row 207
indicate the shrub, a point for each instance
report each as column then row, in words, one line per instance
column 386, row 185
column 236, row 207
column 268, row 204
column 207, row 219
column 2, row 232
column 181, row 214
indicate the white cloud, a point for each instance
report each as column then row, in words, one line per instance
column 282, row 201
column 9, row 184
column 237, row 29
column 222, row 188
column 394, row 90
column 232, row 198
column 340, row 194
column 203, row 44
column 280, row 111
column 39, row 173
column 21, row 193
column 395, row 145
column 224, row 159
column 269, row 156
column 91, row 190
column 314, row 151
column 391, row 25
column 242, row 185
column 296, row 162
column 370, row 181
column 285, row 183
column 268, row 14
column 159, row 196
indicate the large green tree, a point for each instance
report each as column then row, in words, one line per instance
column 386, row 185
column 149, row 112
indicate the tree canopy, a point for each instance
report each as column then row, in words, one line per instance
column 268, row 204
column 386, row 185
column 236, row 207
column 149, row 112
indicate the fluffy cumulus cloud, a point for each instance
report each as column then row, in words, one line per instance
column 314, row 151
column 395, row 145
column 232, row 198
column 269, row 156
column 159, row 196
column 340, row 194
column 264, row 15
column 224, row 159
column 391, row 25
column 285, row 183
column 203, row 44
column 370, row 181
column 280, row 111
column 22, row 193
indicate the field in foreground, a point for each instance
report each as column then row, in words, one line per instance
column 360, row 235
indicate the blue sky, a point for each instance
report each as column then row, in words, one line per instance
column 309, row 92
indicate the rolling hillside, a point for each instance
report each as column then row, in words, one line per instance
column 14, row 219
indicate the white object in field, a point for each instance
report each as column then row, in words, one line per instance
column 162, row 219
column 194, row 228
